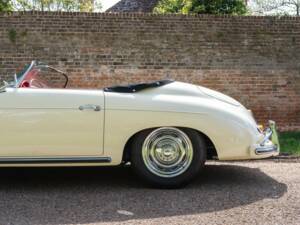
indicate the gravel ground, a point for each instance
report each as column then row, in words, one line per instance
column 258, row 192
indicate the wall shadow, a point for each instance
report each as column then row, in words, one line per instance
column 90, row 195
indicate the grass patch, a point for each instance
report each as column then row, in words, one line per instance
column 290, row 142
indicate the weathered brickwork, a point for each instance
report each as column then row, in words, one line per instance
column 254, row 59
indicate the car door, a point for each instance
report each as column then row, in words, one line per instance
column 51, row 122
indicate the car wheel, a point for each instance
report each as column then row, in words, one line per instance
column 168, row 157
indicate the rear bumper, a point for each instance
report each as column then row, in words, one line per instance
column 269, row 146
column 266, row 149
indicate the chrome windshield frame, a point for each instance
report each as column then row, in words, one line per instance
column 19, row 81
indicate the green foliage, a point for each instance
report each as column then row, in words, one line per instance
column 57, row 5
column 218, row 7
column 290, row 142
column 12, row 35
column 5, row 6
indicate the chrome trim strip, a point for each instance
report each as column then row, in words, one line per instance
column 55, row 160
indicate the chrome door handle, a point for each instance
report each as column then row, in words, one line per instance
column 90, row 107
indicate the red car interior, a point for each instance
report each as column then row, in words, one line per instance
column 33, row 80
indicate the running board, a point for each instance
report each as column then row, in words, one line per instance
column 55, row 160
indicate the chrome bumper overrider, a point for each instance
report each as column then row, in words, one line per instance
column 270, row 142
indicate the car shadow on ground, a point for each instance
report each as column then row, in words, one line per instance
column 90, row 195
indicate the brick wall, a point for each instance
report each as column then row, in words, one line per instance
column 253, row 59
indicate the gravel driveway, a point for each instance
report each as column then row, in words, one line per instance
column 259, row 192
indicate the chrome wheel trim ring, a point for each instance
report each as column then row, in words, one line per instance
column 167, row 152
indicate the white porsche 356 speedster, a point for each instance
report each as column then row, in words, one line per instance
column 165, row 129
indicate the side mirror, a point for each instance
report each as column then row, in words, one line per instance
column 3, row 88
column 7, row 84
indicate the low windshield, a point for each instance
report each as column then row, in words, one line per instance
column 39, row 75
column 23, row 71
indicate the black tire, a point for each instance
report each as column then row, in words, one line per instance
column 197, row 163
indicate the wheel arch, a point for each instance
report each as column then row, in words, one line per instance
column 211, row 149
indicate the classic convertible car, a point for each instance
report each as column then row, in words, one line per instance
column 166, row 129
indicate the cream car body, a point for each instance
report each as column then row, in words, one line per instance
column 229, row 125
column 55, row 127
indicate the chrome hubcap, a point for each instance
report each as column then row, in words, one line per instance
column 167, row 152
